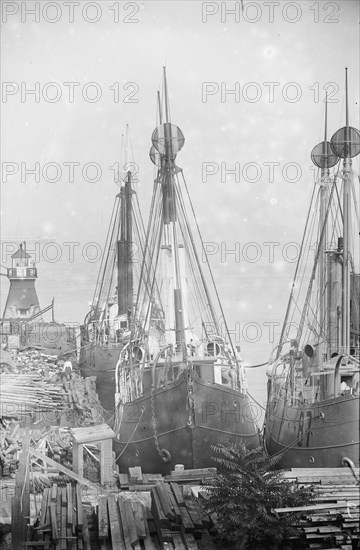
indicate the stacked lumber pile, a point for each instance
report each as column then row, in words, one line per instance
column 34, row 388
column 62, row 521
column 23, row 393
column 136, row 480
column 333, row 520
column 176, row 521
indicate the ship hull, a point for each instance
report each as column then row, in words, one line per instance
column 186, row 424
column 317, row 435
column 100, row 361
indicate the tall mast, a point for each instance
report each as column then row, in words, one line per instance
column 324, row 159
column 159, row 107
column 167, row 116
column 168, row 140
column 124, row 250
column 345, row 339
column 346, row 144
column 170, row 168
column 324, row 196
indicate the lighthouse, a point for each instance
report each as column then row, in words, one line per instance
column 22, row 301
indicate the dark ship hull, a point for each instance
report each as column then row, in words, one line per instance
column 317, row 435
column 187, row 424
column 100, row 361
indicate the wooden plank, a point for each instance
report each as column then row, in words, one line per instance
column 157, row 511
column 69, row 516
column 323, row 518
column 21, row 500
column 338, row 505
column 123, row 522
column 175, row 507
column 44, row 503
column 92, row 433
column 187, row 524
column 148, row 542
column 150, row 522
column 338, row 481
column 115, row 526
column 325, row 471
column 69, row 505
column 164, row 499
column 74, row 510
column 193, row 513
column 79, row 510
column 130, row 525
column 334, row 498
column 103, row 519
column 68, row 472
column 178, row 494
column 86, row 535
column 140, row 518
column 151, row 478
column 106, row 470
column 194, row 471
column 78, row 458
column 54, row 529
column 47, row 519
column 336, row 488
column 63, row 518
column 58, row 516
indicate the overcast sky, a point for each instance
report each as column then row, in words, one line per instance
column 277, row 58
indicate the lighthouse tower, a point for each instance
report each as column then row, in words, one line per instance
column 22, row 301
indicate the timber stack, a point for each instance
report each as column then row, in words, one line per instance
column 173, row 520
column 34, row 391
column 333, row 520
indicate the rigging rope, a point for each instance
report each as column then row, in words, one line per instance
column 294, row 281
